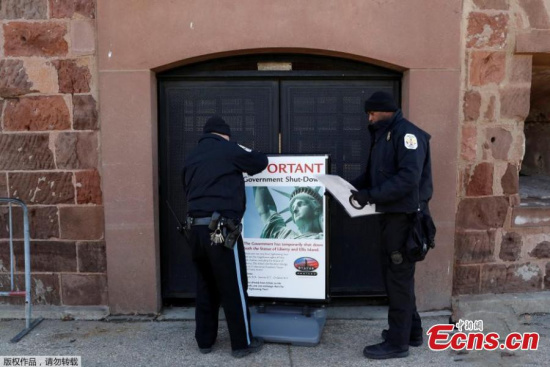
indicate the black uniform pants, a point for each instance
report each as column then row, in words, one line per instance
column 403, row 318
column 221, row 279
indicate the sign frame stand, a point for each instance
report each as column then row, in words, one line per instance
column 296, row 325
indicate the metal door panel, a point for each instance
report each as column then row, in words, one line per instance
column 328, row 117
column 249, row 107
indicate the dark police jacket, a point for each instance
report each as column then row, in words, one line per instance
column 213, row 176
column 398, row 177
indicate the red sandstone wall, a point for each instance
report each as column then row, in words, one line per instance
column 49, row 148
column 499, row 246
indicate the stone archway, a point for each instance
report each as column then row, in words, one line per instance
column 153, row 38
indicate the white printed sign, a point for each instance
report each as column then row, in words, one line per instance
column 284, row 229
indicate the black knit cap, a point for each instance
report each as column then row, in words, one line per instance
column 216, row 124
column 380, row 102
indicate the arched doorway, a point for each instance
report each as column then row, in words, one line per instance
column 282, row 103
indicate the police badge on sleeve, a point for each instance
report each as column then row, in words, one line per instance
column 410, row 141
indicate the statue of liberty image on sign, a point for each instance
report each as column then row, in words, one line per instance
column 305, row 207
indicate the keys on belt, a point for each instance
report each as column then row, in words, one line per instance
column 224, row 230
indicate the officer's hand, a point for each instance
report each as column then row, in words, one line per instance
column 362, row 197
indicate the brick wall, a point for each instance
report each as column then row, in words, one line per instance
column 499, row 247
column 49, row 149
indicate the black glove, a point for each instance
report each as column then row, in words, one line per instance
column 362, row 197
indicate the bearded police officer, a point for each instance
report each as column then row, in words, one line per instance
column 214, row 185
column 398, row 181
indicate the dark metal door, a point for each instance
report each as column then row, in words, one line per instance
column 251, row 109
column 328, row 117
column 316, row 108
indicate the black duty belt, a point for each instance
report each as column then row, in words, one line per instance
column 204, row 221
column 224, row 230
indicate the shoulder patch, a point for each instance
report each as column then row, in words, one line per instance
column 410, row 141
column 245, row 148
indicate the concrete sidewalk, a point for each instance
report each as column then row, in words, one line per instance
column 167, row 341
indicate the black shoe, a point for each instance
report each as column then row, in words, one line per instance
column 205, row 350
column 386, row 350
column 255, row 345
column 414, row 341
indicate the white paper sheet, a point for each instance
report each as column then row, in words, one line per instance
column 340, row 189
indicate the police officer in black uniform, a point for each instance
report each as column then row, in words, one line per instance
column 214, row 185
column 398, row 181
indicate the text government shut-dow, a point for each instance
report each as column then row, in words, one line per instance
column 281, row 179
